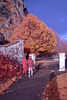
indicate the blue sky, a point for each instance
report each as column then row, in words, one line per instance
column 52, row 12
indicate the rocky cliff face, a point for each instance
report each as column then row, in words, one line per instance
column 11, row 15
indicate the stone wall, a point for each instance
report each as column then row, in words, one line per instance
column 13, row 50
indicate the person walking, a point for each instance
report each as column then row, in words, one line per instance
column 30, row 63
column 24, row 63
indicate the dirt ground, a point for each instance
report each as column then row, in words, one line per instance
column 56, row 89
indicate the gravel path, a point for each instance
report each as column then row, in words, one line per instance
column 33, row 87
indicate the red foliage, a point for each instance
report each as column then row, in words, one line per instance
column 8, row 68
column 61, row 46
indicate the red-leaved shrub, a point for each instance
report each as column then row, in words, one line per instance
column 9, row 68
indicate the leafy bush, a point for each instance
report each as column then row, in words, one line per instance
column 9, row 68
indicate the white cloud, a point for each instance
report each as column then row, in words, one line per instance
column 64, row 37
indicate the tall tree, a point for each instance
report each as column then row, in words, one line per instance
column 36, row 35
column 61, row 45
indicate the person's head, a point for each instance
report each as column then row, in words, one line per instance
column 30, row 57
column 27, row 56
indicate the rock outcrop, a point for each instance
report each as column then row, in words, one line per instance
column 11, row 15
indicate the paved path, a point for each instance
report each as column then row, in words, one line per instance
column 33, row 87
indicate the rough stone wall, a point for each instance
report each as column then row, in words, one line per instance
column 11, row 15
column 13, row 50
